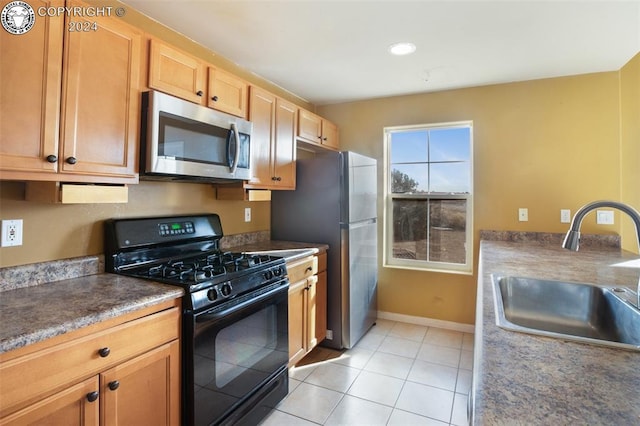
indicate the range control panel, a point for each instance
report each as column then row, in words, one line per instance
column 176, row 228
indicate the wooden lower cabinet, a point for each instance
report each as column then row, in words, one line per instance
column 142, row 391
column 72, row 406
column 307, row 305
column 120, row 374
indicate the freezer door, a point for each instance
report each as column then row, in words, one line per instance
column 360, row 280
column 360, row 188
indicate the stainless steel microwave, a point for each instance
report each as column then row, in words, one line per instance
column 184, row 141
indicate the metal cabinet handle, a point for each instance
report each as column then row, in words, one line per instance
column 72, row 160
column 114, row 385
column 92, row 396
column 104, row 352
column 52, row 158
column 199, row 93
column 309, row 269
column 214, row 99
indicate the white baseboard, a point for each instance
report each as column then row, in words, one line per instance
column 427, row 322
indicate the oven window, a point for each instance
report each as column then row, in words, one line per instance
column 234, row 358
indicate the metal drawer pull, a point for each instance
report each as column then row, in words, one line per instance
column 104, row 352
column 92, row 396
column 114, row 385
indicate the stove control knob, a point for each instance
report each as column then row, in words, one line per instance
column 268, row 275
column 226, row 289
column 212, row 294
column 277, row 272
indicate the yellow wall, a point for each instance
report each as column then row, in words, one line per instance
column 630, row 146
column 545, row 145
column 54, row 231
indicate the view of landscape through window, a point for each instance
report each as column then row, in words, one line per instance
column 429, row 187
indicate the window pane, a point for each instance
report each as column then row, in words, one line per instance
column 447, row 231
column 410, row 229
column 450, row 144
column 409, row 147
column 450, row 177
column 409, row 178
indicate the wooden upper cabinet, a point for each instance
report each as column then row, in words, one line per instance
column 273, row 149
column 30, row 76
column 284, row 149
column 70, row 100
column 261, row 114
column 227, row 93
column 176, row 73
column 101, row 99
column 309, row 126
column 329, row 134
column 316, row 130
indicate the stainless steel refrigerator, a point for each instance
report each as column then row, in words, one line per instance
column 335, row 202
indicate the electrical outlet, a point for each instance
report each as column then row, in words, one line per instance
column 11, row 233
column 523, row 215
column 329, row 334
column 604, row 217
column 565, row 216
column 247, row 214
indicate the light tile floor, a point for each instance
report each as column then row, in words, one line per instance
column 398, row 374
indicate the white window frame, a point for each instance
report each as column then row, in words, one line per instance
column 424, row 265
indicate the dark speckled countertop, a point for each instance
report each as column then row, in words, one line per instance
column 29, row 315
column 523, row 379
column 40, row 301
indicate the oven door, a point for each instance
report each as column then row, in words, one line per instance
column 236, row 362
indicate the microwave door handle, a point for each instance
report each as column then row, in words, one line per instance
column 236, row 156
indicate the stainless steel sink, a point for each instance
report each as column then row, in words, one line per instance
column 582, row 312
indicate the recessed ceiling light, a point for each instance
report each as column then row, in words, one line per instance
column 402, row 48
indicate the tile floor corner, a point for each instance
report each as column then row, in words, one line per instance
column 397, row 374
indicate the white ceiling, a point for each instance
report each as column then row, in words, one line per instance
column 332, row 51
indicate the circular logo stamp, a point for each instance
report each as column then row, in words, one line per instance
column 17, row 17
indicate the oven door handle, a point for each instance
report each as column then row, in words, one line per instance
column 208, row 316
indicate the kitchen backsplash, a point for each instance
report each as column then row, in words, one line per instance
column 33, row 274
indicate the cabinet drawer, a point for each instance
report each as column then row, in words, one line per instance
column 30, row 377
column 301, row 269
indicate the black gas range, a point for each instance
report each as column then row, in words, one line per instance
column 184, row 251
column 235, row 313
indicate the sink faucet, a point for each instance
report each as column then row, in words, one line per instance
column 572, row 239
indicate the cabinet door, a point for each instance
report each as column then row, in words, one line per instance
column 227, row 93
column 329, row 134
column 69, row 407
column 262, row 115
column 321, row 307
column 176, row 73
column 309, row 126
column 101, row 98
column 30, row 75
column 144, row 390
column 284, row 150
column 312, row 309
column 297, row 321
